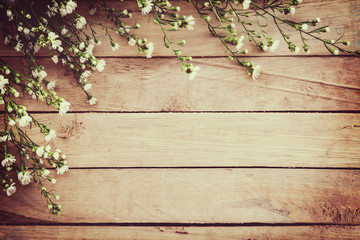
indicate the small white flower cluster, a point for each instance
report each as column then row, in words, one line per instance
column 252, row 69
column 190, row 70
column 66, row 9
column 146, row 6
column 187, row 22
column 80, row 22
column 64, row 106
column 3, row 82
column 142, row 44
column 246, row 4
column 24, row 176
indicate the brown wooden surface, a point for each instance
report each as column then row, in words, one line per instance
column 343, row 19
column 206, row 139
column 180, row 233
column 136, row 85
column 194, row 196
column 290, row 172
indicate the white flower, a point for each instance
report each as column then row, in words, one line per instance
column 84, row 76
column 5, row 138
column 89, row 49
column 70, row 6
column 292, row 10
column 26, row 31
column 55, row 59
column 51, row 85
column 150, row 50
column 7, row 162
column 24, row 178
column 45, row 173
column 81, row 45
column 297, row 50
column 246, row 4
column 147, row 6
column 18, row 46
column 64, row 31
column 63, row 12
column 327, row 29
column 68, row 9
column 87, row 86
column 64, row 107
column 100, row 65
column 190, row 23
column 304, row 27
column 53, row 180
column 11, row 190
column 194, row 72
column 92, row 101
column 24, row 121
column 12, row 122
column 336, row 52
column 80, row 22
column 317, row 19
column 40, row 74
column 55, row 43
column 16, row 93
column 48, row 148
column 10, row 15
column 56, row 155
column 83, row 59
column 132, row 42
column 256, row 72
column 51, row 135
column 274, row 46
column 240, row 43
column 3, row 82
column 62, row 169
column 40, row 151
column 115, row 47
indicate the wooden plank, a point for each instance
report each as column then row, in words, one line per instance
column 314, row 83
column 179, row 233
column 206, row 139
column 340, row 15
column 194, row 196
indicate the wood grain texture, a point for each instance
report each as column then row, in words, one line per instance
column 342, row 18
column 308, row 83
column 194, row 196
column 206, row 139
column 214, row 168
column 179, row 233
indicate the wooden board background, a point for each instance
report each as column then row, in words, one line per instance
column 220, row 157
